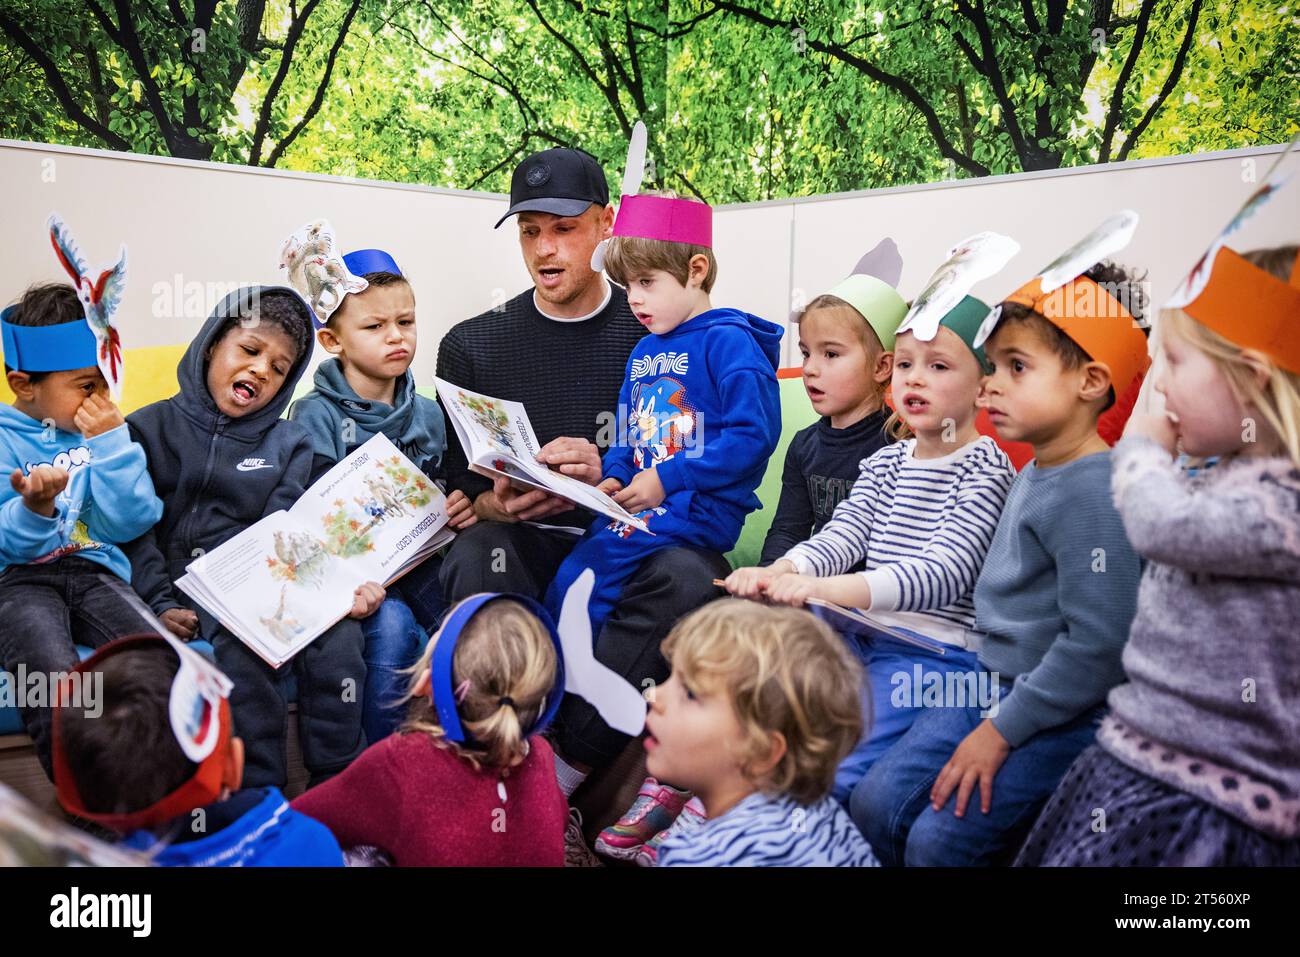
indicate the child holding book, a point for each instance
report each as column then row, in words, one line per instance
column 703, row 416
column 365, row 388
column 846, row 338
column 1058, row 586
column 222, row 459
column 78, row 488
column 762, row 705
column 468, row 780
column 921, row 516
column 1197, row 762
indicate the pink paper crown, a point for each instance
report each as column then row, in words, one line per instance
column 666, row 219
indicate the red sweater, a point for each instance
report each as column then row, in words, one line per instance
column 427, row 807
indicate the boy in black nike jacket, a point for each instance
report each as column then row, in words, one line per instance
column 221, row 458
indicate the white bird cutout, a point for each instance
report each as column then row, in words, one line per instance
column 618, row 703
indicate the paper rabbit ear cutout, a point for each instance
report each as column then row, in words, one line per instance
column 618, row 702
column 884, row 262
column 634, row 170
column 633, row 174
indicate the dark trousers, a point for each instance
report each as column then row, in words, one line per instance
column 44, row 611
column 493, row 556
column 330, row 674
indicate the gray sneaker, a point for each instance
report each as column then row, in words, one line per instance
column 576, row 851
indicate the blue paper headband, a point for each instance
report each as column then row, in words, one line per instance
column 68, row 345
column 370, row 260
column 440, row 663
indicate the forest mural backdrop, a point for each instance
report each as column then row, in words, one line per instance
column 744, row 100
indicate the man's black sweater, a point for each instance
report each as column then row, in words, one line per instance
column 566, row 374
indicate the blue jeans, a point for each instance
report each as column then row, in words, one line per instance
column 394, row 641
column 891, row 804
column 890, row 711
column 396, row 636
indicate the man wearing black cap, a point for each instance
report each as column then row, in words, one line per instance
column 561, row 348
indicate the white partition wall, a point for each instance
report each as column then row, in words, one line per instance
column 194, row 230
column 807, row 245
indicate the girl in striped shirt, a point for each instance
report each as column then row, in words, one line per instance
column 921, row 516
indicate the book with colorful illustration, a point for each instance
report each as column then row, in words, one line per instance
column 282, row 582
column 498, row 440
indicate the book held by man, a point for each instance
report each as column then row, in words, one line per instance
column 285, row 580
column 498, row 439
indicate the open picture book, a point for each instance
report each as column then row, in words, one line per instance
column 498, row 439
column 282, row 582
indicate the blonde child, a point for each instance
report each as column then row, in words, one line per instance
column 846, row 338
column 467, row 780
column 1197, row 763
column 761, row 706
column 922, row 515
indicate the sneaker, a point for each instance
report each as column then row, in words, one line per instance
column 692, row 816
column 576, row 851
column 655, row 809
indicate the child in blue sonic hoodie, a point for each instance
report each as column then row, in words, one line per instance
column 77, row 489
column 702, row 418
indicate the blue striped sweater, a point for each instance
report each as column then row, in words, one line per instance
column 923, row 527
column 766, row 831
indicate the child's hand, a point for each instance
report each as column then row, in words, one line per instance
column 753, row 582
column 40, row 487
column 460, row 511
column 609, row 486
column 643, row 492
column 976, row 761
column 367, row 599
column 97, row 415
column 181, row 622
column 1159, row 428
column 793, row 589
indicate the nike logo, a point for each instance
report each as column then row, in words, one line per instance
column 250, row 465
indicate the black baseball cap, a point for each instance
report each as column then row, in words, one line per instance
column 562, row 181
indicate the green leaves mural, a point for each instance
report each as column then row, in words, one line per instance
column 744, row 100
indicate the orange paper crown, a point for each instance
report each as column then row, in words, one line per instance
column 1252, row 308
column 1096, row 321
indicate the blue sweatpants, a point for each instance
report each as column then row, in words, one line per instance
column 614, row 552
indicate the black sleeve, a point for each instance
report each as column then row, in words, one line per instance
column 454, row 366
column 149, row 575
column 794, row 517
column 320, row 464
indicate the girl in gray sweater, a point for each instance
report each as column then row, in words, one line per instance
column 1199, row 761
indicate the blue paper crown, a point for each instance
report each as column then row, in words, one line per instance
column 444, row 651
column 58, row 348
column 363, row 261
